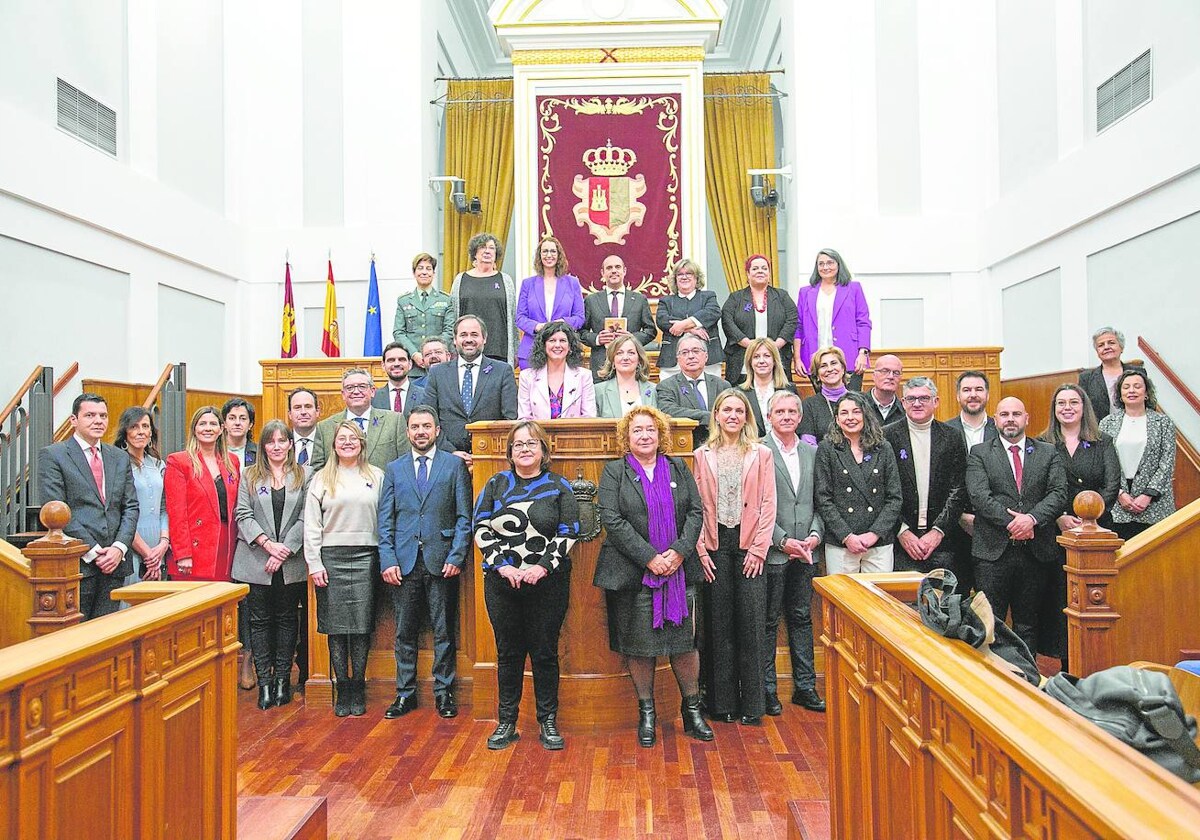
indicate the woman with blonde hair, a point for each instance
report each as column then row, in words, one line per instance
column 625, row 379
column 690, row 309
column 341, row 547
column 829, row 367
column 765, row 374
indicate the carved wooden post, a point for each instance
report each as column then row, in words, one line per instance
column 1091, row 567
column 54, row 572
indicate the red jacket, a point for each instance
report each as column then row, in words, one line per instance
column 194, row 518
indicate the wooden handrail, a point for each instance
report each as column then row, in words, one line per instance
column 21, row 392
column 66, row 378
column 1170, row 374
column 152, row 397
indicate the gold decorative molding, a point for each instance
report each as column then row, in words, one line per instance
column 615, row 55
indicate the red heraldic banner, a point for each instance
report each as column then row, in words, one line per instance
column 609, row 184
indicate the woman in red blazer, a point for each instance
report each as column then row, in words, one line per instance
column 201, row 486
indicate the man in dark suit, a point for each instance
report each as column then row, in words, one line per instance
column 381, row 426
column 96, row 482
column 1018, row 487
column 691, row 393
column 614, row 301
column 434, row 351
column 933, row 466
column 237, row 420
column 791, row 561
column 424, row 540
column 400, row 392
column 973, row 423
column 469, row 387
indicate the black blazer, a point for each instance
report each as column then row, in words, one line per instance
column 495, row 398
column 737, row 319
column 993, row 490
column 990, row 432
column 1091, row 380
column 1094, row 466
column 816, row 418
column 704, row 308
column 626, row 550
column 636, row 312
column 855, row 498
column 947, row 492
column 677, row 398
column 758, row 415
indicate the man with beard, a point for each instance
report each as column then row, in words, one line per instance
column 972, row 422
column 401, row 392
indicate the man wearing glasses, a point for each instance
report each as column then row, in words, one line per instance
column 886, row 373
column 691, row 393
column 933, row 468
column 382, row 427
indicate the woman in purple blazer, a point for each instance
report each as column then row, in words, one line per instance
column 833, row 313
column 550, row 295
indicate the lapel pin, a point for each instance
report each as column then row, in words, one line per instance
column 903, row 454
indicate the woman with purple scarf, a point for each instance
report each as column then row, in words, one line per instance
column 829, row 365
column 649, row 568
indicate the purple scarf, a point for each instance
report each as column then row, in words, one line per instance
column 832, row 394
column 670, row 592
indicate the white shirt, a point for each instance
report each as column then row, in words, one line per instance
column 650, row 470
column 302, row 444
column 760, row 324
column 240, row 454
column 690, row 296
column 620, row 301
column 764, row 397
column 701, row 386
column 366, row 415
column 462, row 371
column 416, row 456
column 974, row 435
column 885, row 410
column 825, row 318
column 791, row 459
column 549, row 292
column 1008, row 445
column 87, row 456
column 1131, row 444
column 403, row 389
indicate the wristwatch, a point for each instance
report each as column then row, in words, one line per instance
column 782, row 542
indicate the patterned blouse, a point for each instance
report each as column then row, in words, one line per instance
column 729, row 486
column 526, row 522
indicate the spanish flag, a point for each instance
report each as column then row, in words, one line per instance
column 287, row 344
column 331, row 342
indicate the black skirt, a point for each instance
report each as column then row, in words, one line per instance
column 347, row 604
column 631, row 625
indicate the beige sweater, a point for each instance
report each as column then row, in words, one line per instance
column 347, row 517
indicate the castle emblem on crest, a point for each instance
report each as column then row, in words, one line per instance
column 608, row 198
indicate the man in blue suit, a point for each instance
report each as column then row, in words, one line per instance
column 424, row 540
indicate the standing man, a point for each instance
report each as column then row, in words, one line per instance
column 434, row 351
column 424, row 539
column 96, row 482
column 972, row 422
column 470, row 387
column 381, row 426
column 1018, row 487
column 886, row 373
column 400, row 393
column 691, row 393
column 302, row 417
column 614, row 301
column 237, row 418
column 791, row 562
column 933, row 474
column 423, row 313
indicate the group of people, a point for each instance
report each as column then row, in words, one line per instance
column 698, row 564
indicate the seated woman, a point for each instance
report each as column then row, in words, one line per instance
column 830, row 367
column 1145, row 442
column 549, row 295
column 688, row 310
column 1099, row 382
column 625, row 379
column 765, row 374
column 832, row 312
column 648, row 566
column 856, row 489
column 760, row 310
column 137, row 435
column 555, row 384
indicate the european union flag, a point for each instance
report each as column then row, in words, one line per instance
column 373, row 332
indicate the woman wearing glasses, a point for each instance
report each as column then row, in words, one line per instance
column 552, row 294
column 833, row 313
column 689, row 310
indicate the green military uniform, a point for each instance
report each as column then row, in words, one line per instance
column 421, row 315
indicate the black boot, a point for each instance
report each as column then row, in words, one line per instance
column 358, row 700
column 283, row 691
column 266, row 694
column 341, row 698
column 647, row 723
column 549, row 736
column 693, row 722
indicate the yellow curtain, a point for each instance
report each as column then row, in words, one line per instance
column 479, row 149
column 739, row 134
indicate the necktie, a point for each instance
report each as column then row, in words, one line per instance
column 424, row 297
column 362, row 422
column 468, row 388
column 98, row 472
column 303, row 459
column 397, row 403
column 700, row 401
column 1016, row 456
column 616, row 313
column 423, row 473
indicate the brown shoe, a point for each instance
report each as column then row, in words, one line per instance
column 247, row 679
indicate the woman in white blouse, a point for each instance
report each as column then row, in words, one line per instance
column 625, row 379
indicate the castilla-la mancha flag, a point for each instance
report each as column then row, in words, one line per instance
column 287, row 343
column 331, row 342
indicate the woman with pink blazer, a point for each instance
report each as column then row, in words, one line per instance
column 736, row 477
column 556, row 385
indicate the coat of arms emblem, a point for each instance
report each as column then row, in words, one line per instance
column 609, row 203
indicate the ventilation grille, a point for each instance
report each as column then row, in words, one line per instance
column 1127, row 90
column 92, row 122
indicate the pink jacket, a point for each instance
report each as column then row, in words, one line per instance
column 758, row 500
column 533, row 394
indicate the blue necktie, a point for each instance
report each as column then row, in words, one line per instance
column 423, row 473
column 362, row 422
column 303, row 459
column 468, row 388
column 699, row 395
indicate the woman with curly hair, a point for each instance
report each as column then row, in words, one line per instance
column 556, row 384
column 487, row 292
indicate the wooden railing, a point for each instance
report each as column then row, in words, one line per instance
column 26, row 425
column 39, row 588
column 928, row 739
column 64, row 429
column 1169, row 373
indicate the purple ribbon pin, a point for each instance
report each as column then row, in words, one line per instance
column 262, row 491
column 747, row 307
column 1086, row 444
column 867, row 457
column 903, row 454
column 488, row 369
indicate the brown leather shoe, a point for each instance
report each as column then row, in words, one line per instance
column 247, row 679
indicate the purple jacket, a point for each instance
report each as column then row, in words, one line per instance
column 851, row 322
column 531, row 309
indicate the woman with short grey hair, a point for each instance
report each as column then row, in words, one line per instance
column 1099, row 382
column 483, row 290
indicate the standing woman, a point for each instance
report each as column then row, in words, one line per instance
column 270, row 557
column 765, row 374
column 625, row 379
column 201, row 486
column 758, row 311
column 830, row 367
column 688, row 310
column 1099, row 383
column 487, row 292
column 736, row 477
column 648, row 566
column 549, row 295
column 857, row 490
column 1145, row 442
column 137, row 435
column 833, row 313
column 556, row 384
column 425, row 312
column 341, row 547
column 526, row 520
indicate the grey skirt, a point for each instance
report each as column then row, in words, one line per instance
column 631, row 625
column 347, row 604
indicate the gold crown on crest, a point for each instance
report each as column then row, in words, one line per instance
column 609, row 160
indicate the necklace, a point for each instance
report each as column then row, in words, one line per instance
column 754, row 298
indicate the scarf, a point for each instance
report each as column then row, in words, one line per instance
column 832, row 394
column 670, row 592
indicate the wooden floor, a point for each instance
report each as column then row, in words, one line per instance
column 421, row 776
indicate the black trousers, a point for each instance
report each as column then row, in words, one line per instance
column 94, row 591
column 271, row 611
column 527, row 623
column 1129, row 530
column 1015, row 580
column 737, row 619
column 942, row 558
column 789, row 596
column 422, row 590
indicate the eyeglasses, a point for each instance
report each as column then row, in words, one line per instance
column 518, row 445
column 919, row 400
column 824, row 264
column 888, row 372
column 356, row 389
column 685, row 274
column 692, row 351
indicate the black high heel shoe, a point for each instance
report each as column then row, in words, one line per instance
column 266, row 694
column 693, row 722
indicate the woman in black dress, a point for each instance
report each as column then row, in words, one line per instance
column 526, row 520
column 648, row 566
column 485, row 291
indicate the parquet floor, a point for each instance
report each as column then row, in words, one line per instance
column 421, row 776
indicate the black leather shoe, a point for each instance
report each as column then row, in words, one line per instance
column 726, row 717
column 751, row 720
column 446, row 707
column 549, row 736
column 283, row 691
column 693, row 722
column 647, row 723
column 341, row 699
column 358, row 698
column 266, row 694
column 774, row 707
column 400, row 706
column 809, row 699
column 503, row 735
